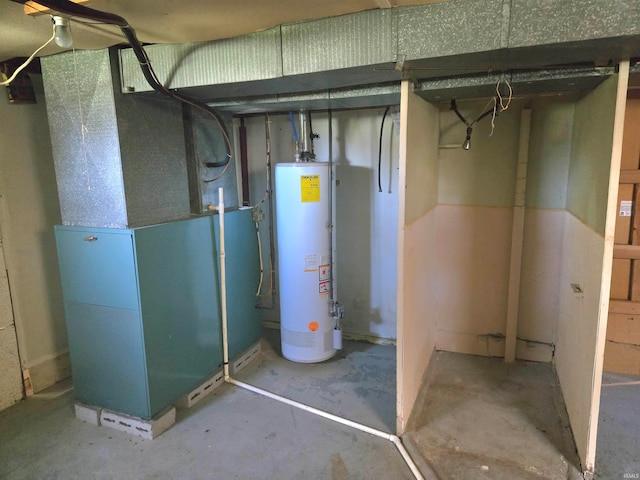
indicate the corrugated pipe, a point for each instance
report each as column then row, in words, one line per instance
column 227, row 377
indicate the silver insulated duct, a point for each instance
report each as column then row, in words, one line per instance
column 120, row 159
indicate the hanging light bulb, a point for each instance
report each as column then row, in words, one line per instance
column 63, row 33
column 467, row 142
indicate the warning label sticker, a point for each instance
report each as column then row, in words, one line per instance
column 324, row 272
column 310, row 263
column 625, row 208
column 324, row 288
column 309, row 188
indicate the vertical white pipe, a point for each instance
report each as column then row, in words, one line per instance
column 223, row 286
column 332, row 215
column 304, row 135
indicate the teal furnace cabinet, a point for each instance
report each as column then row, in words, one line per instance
column 243, row 275
column 143, row 308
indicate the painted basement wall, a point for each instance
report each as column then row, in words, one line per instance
column 473, row 222
column 366, row 220
column 31, row 208
column 11, row 373
column 546, row 197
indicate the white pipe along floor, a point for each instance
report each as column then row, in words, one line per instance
column 480, row 420
column 476, row 418
column 227, row 378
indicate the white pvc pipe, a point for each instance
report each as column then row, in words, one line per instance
column 223, row 285
column 397, row 441
column 227, row 378
column 313, row 410
column 344, row 421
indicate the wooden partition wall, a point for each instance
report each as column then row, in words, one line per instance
column 572, row 190
column 418, row 196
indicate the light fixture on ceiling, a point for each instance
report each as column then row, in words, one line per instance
column 467, row 142
column 63, row 32
column 466, row 145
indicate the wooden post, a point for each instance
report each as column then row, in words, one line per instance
column 517, row 235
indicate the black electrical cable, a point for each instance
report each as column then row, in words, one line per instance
column 380, row 150
column 312, row 135
column 454, row 107
column 69, row 8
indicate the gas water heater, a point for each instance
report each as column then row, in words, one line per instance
column 303, row 211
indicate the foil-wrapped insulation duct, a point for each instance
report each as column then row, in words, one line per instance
column 120, row 159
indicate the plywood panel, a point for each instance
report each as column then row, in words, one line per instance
column 418, row 332
column 484, row 174
column 590, row 156
column 549, row 154
column 517, row 238
column 623, row 219
column 472, row 266
column 620, row 278
column 578, row 324
column 541, row 267
column 461, row 342
column 534, row 351
column 421, row 122
column 416, row 247
column 588, row 234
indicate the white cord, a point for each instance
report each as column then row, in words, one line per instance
column 493, row 115
column 503, row 107
column 259, row 291
column 498, row 100
column 261, row 264
column 28, row 61
column 264, row 199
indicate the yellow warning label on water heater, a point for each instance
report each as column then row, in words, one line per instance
column 309, row 188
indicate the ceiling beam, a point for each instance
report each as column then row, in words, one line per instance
column 35, row 9
column 384, row 3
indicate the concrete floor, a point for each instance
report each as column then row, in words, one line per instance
column 618, row 449
column 359, row 383
column 478, row 419
column 231, row 434
column 484, row 419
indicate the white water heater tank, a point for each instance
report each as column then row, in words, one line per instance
column 304, row 260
